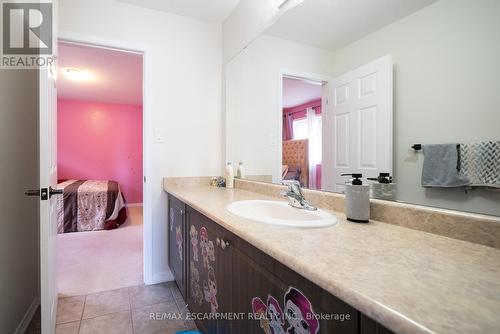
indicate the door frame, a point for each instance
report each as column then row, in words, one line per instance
column 147, row 133
column 324, row 106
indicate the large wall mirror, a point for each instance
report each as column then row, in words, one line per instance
column 338, row 86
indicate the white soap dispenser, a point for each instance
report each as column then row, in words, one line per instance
column 240, row 173
column 229, row 176
column 357, row 198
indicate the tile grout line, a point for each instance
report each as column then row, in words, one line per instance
column 81, row 317
column 171, row 299
column 130, row 310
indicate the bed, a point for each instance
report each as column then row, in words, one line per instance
column 295, row 158
column 90, row 205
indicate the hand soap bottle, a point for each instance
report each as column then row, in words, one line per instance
column 241, row 171
column 357, row 198
column 229, row 176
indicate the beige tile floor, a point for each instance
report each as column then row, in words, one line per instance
column 121, row 311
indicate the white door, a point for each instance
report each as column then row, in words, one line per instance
column 48, row 213
column 358, row 124
column 48, row 181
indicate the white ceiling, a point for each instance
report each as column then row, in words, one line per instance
column 332, row 24
column 297, row 92
column 114, row 76
column 208, row 10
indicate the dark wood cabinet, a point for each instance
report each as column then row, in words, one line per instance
column 369, row 326
column 262, row 284
column 177, row 246
column 224, row 275
column 207, row 289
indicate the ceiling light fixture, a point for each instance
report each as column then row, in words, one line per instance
column 75, row 74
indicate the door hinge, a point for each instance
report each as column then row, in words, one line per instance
column 144, row 179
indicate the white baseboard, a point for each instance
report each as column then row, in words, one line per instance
column 162, row 277
column 28, row 316
column 133, row 205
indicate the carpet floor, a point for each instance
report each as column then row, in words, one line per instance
column 90, row 262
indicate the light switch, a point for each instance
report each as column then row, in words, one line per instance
column 159, row 135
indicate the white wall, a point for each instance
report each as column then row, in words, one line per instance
column 446, row 79
column 253, row 94
column 19, row 217
column 186, row 92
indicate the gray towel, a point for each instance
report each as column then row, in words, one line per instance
column 441, row 167
column 480, row 162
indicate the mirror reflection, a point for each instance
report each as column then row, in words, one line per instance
column 405, row 94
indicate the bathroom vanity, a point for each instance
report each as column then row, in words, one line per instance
column 369, row 278
column 237, row 273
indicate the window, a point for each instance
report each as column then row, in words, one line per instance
column 300, row 129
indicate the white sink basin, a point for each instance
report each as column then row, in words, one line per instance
column 280, row 213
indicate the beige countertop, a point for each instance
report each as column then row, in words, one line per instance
column 407, row 280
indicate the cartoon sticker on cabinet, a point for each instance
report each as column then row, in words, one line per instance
column 297, row 314
column 260, row 311
column 195, row 284
column 178, row 238
column 210, row 290
column 275, row 315
column 211, row 251
column 193, row 233
column 204, row 246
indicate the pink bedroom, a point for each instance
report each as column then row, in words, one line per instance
column 302, row 129
column 100, row 169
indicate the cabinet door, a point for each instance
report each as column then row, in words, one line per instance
column 281, row 300
column 203, row 283
column 369, row 326
column 176, row 243
column 252, row 286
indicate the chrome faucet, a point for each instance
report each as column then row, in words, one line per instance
column 295, row 196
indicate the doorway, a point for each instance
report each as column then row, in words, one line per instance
column 301, row 141
column 99, row 168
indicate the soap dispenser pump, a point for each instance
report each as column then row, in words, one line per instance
column 357, row 197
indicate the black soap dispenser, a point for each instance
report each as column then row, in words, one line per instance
column 357, row 197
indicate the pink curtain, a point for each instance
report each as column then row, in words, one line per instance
column 287, row 126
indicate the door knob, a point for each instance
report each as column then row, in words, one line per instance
column 44, row 193
column 53, row 192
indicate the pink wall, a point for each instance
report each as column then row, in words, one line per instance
column 101, row 141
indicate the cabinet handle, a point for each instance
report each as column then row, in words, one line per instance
column 171, row 219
